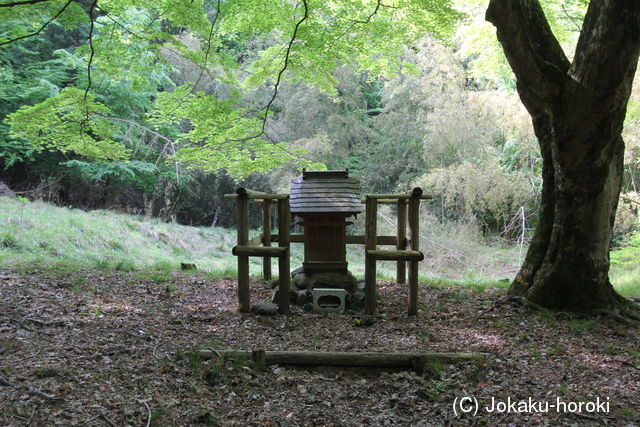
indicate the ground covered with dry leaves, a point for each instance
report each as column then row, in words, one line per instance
column 98, row 348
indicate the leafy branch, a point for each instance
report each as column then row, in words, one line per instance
column 22, row 3
column 45, row 25
column 362, row 21
column 284, row 67
column 369, row 18
column 145, row 38
column 206, row 54
column 576, row 23
column 92, row 50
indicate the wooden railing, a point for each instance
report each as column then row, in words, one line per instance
column 408, row 209
column 407, row 248
column 261, row 246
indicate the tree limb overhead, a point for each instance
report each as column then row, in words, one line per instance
column 608, row 46
column 532, row 50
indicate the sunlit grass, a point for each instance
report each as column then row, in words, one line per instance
column 625, row 267
column 626, row 278
column 36, row 234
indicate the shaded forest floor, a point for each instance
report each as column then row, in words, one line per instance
column 96, row 348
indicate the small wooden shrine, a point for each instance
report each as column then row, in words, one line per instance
column 323, row 200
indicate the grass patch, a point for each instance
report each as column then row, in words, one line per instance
column 626, row 278
column 625, row 267
column 580, row 326
column 37, row 235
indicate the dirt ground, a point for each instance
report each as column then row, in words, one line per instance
column 96, row 348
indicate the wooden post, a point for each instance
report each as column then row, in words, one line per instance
column 414, row 234
column 401, row 234
column 371, row 230
column 284, row 273
column 266, row 237
column 242, row 220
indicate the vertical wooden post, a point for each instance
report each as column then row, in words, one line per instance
column 242, row 220
column 284, row 273
column 266, row 237
column 414, row 234
column 371, row 231
column 401, row 234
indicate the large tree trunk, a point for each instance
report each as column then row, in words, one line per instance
column 578, row 110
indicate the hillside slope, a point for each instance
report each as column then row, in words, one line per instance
column 38, row 233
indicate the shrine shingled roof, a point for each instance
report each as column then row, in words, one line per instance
column 325, row 192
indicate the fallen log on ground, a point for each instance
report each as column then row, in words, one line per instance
column 416, row 361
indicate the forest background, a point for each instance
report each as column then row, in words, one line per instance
column 181, row 105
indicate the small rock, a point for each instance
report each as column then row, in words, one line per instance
column 300, row 281
column 265, row 308
column 6, row 191
column 303, row 296
column 186, row 266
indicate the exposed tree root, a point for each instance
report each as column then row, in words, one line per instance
column 614, row 316
column 633, row 316
column 570, row 315
column 627, row 311
column 496, row 305
column 527, row 303
column 517, row 299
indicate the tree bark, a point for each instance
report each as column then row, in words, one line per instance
column 577, row 110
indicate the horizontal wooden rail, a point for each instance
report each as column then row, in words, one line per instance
column 380, row 240
column 387, row 201
column 380, row 255
column 250, row 194
column 394, row 198
column 416, row 193
column 260, row 251
column 351, row 240
column 417, row 361
column 293, row 238
column 258, row 198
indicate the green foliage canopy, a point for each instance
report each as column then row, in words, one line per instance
column 69, row 122
column 120, row 70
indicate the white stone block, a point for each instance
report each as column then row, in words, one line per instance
column 329, row 300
